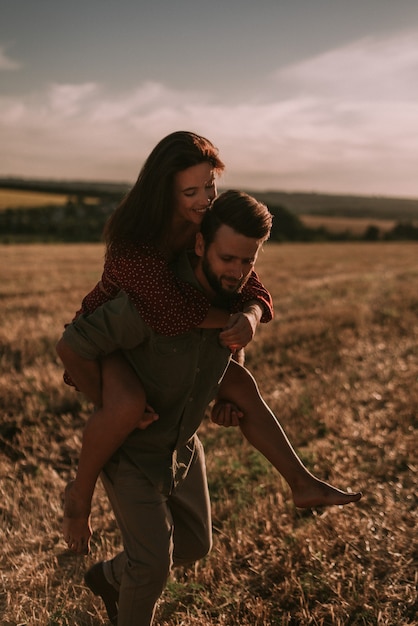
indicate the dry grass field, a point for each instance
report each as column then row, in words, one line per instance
column 339, row 366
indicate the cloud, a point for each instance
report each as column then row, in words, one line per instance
column 369, row 68
column 82, row 131
column 6, row 63
column 70, row 100
column 344, row 121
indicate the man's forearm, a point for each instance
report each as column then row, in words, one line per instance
column 85, row 373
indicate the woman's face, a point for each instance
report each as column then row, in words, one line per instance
column 194, row 190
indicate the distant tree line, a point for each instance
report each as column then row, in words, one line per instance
column 80, row 222
column 289, row 227
column 72, row 222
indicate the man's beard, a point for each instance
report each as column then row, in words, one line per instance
column 225, row 296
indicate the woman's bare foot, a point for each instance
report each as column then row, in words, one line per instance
column 76, row 526
column 315, row 492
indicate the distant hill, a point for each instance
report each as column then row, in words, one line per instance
column 333, row 205
column 67, row 187
column 299, row 203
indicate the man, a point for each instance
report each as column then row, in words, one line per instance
column 156, row 482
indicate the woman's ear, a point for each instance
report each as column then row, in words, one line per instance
column 199, row 246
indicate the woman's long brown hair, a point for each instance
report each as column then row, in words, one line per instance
column 145, row 212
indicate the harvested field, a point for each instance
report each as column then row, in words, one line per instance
column 339, row 366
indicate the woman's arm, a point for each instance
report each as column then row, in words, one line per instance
column 168, row 305
column 254, row 305
column 254, row 290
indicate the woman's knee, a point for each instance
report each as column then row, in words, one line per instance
column 238, row 384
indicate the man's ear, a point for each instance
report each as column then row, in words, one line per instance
column 199, row 246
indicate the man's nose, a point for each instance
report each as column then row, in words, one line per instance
column 236, row 271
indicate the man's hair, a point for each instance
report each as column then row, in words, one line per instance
column 241, row 212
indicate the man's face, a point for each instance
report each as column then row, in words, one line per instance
column 226, row 264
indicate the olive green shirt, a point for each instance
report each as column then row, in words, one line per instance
column 180, row 376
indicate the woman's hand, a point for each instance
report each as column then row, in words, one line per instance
column 239, row 331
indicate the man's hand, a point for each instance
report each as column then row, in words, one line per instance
column 226, row 414
column 148, row 417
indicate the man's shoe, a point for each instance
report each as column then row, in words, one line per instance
column 98, row 584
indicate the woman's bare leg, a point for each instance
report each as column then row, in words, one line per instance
column 122, row 411
column 262, row 429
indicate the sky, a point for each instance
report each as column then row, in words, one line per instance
column 298, row 95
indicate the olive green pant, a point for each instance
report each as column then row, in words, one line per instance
column 158, row 531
